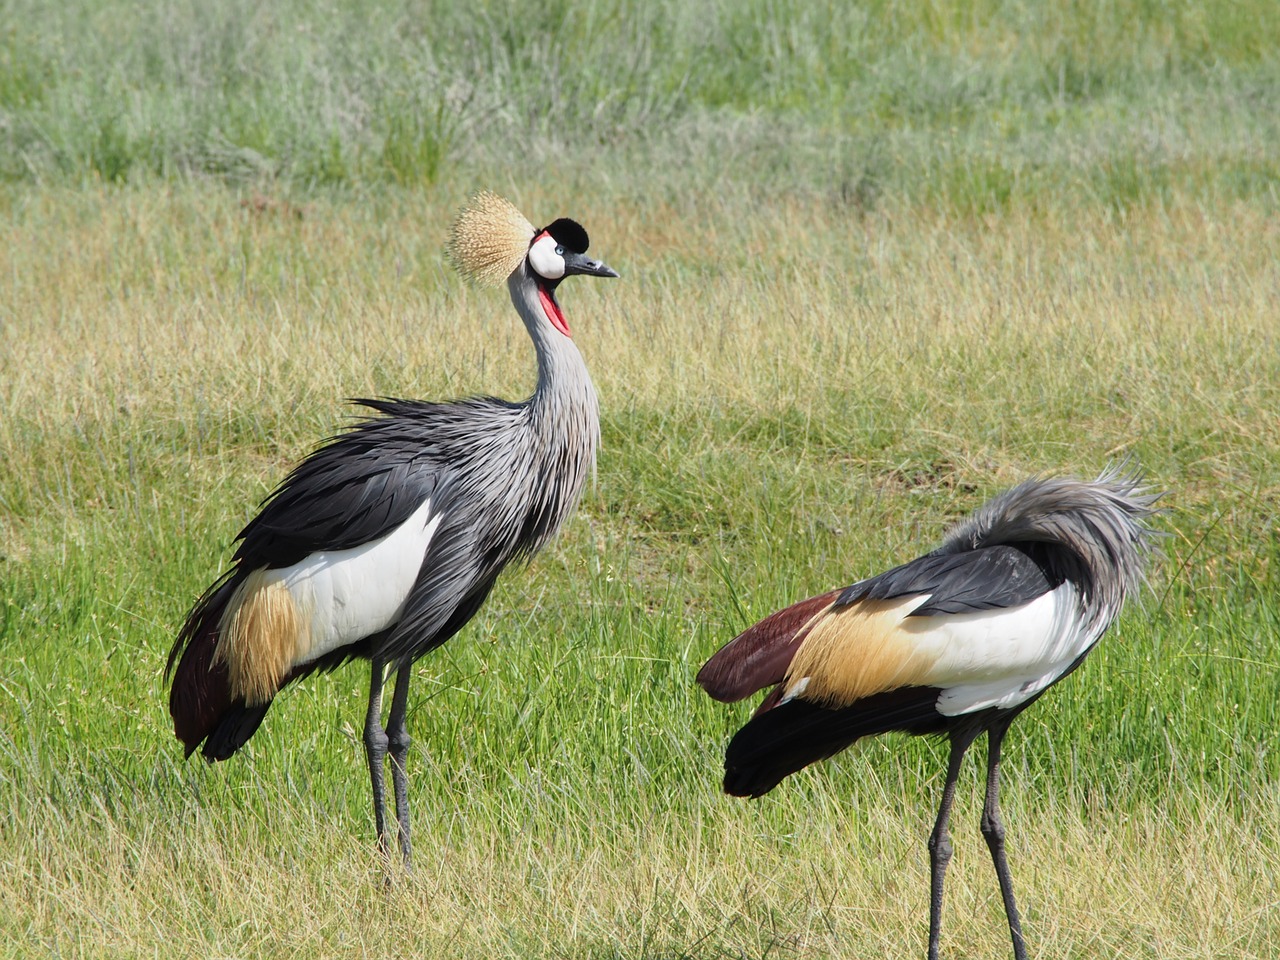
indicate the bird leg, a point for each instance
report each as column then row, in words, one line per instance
column 940, row 839
column 398, row 740
column 993, row 830
column 375, row 748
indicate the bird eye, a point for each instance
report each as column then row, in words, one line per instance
column 559, row 251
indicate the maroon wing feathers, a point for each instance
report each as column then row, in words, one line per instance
column 759, row 657
column 201, row 691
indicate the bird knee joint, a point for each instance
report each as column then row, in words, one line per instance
column 375, row 740
column 940, row 847
column 399, row 741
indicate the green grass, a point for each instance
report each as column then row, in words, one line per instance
column 876, row 267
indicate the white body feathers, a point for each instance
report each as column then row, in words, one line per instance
column 1001, row 658
column 344, row 595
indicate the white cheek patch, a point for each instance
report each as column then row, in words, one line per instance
column 543, row 258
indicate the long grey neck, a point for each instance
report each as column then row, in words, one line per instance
column 564, row 404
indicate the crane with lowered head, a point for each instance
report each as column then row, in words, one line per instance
column 954, row 643
column 386, row 540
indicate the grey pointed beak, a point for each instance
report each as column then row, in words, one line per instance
column 580, row 263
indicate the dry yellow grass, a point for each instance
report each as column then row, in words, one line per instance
column 1165, row 884
column 113, row 298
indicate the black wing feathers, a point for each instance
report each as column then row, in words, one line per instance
column 362, row 484
column 234, row 728
column 357, row 487
column 785, row 737
column 987, row 578
column 777, row 742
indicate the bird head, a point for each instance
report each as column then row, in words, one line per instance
column 492, row 240
column 560, row 250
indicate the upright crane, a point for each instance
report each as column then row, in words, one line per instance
column 384, row 542
column 957, row 642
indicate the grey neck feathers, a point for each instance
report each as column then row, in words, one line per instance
column 565, row 397
column 1101, row 524
column 562, row 416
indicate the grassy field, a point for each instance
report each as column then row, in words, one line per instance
column 876, row 266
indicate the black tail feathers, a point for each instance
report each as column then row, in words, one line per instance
column 787, row 738
column 200, row 700
column 237, row 724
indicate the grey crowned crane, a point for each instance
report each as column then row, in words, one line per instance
column 384, row 542
column 955, row 643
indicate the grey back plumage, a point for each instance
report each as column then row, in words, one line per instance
column 1094, row 533
column 1029, row 540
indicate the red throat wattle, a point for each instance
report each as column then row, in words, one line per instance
column 553, row 311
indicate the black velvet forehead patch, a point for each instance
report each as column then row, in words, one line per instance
column 569, row 234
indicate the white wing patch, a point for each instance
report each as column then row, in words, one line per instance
column 795, row 690
column 344, row 595
column 1000, row 658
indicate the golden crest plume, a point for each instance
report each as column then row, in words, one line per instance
column 489, row 239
